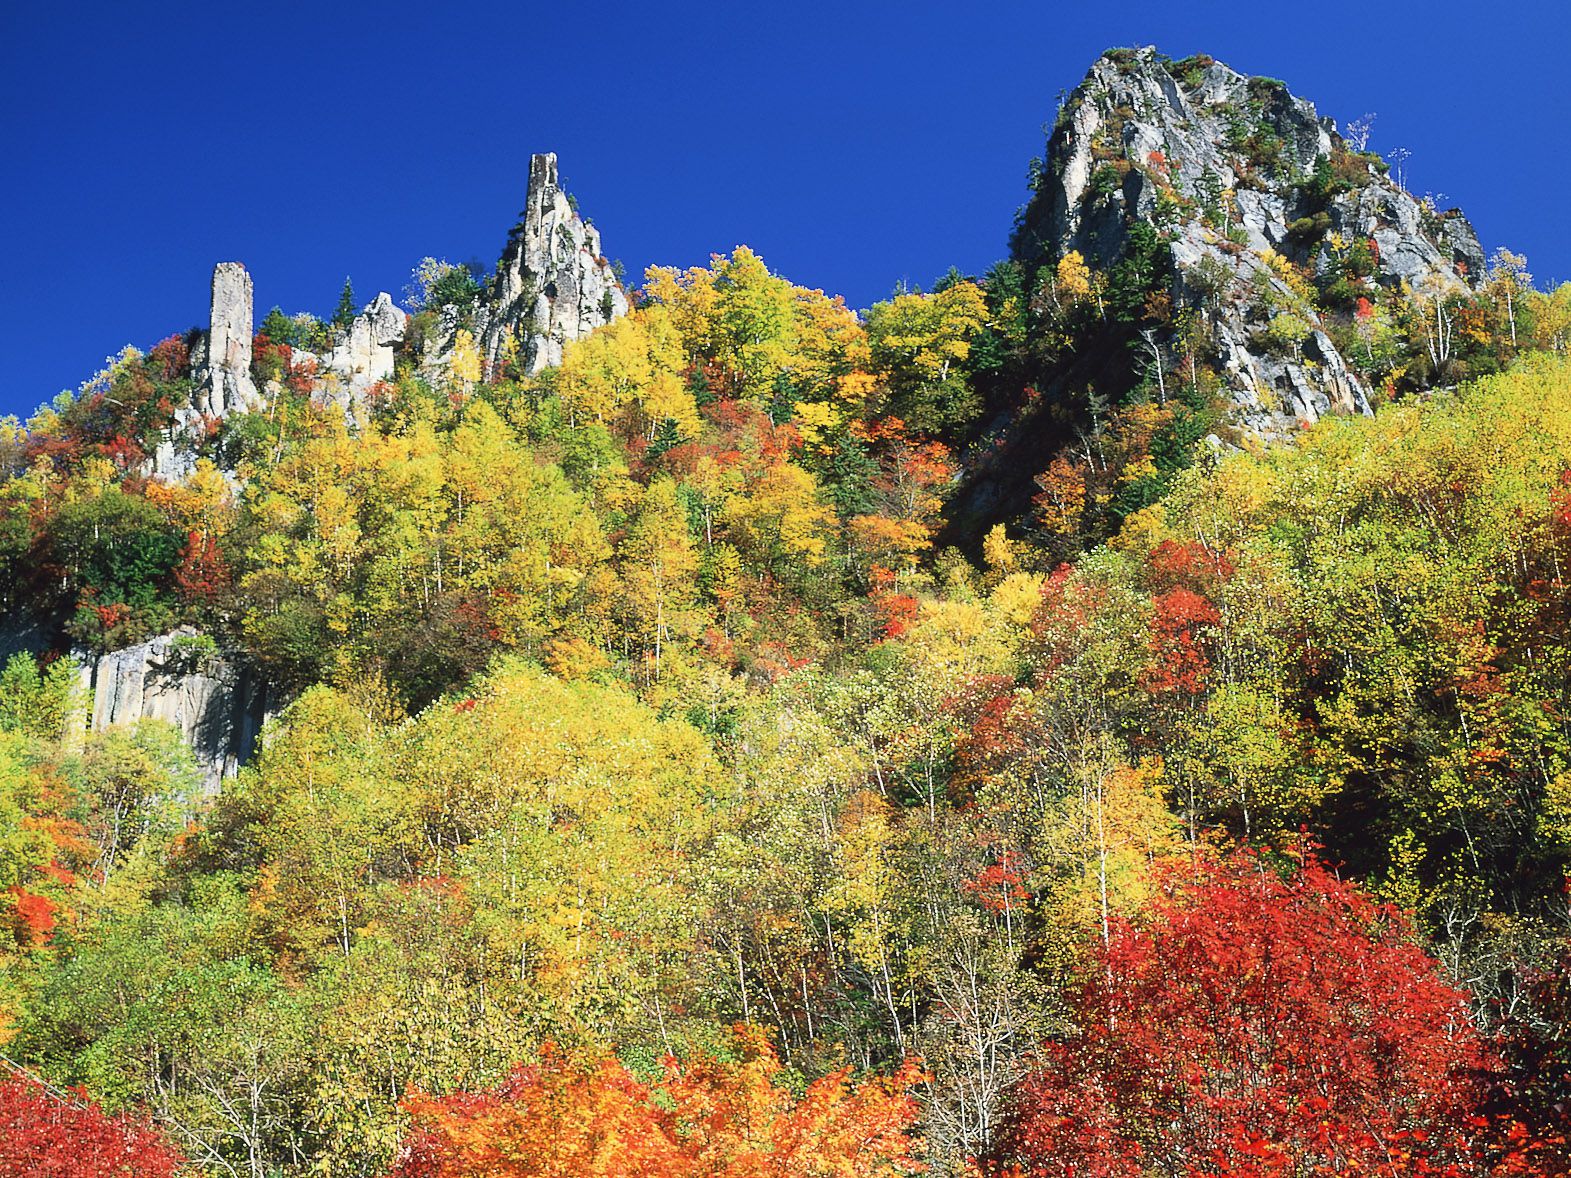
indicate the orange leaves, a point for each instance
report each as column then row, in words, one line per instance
column 568, row 1117
column 1181, row 620
column 1061, row 497
column 32, row 916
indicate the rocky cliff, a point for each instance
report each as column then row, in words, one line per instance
column 222, row 362
column 1238, row 175
column 218, row 704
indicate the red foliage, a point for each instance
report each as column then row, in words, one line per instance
column 33, row 916
column 1190, row 565
column 894, row 610
column 1181, row 663
column 1560, row 501
column 1247, row 1024
column 994, row 733
column 202, row 574
column 170, row 358
column 998, row 886
column 45, row 1136
column 110, row 616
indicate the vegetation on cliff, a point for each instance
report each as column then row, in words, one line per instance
column 701, row 761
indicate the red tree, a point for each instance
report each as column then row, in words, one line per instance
column 1250, row 1024
column 43, row 1135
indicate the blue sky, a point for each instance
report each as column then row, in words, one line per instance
column 855, row 145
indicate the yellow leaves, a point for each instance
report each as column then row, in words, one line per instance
column 1001, row 554
column 780, row 510
column 928, row 334
column 463, row 361
column 1290, row 275
column 1073, row 278
column 1554, row 823
column 861, row 886
column 893, row 543
column 1116, row 825
column 202, row 503
column 634, row 362
column 1143, row 530
column 814, row 420
column 1017, row 597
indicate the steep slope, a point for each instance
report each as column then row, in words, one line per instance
column 1234, row 169
column 1198, row 234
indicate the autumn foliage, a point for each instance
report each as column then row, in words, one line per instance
column 45, row 1136
column 1250, row 1024
column 704, row 1116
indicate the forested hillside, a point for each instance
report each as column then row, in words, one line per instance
column 1106, row 716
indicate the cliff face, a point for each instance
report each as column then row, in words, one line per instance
column 1233, row 170
column 218, row 705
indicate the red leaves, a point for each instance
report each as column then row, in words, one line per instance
column 33, row 916
column 202, row 574
column 1190, row 565
column 998, row 886
column 1248, row 1024
column 718, row 1119
column 45, row 1136
column 110, row 616
column 895, row 611
column 170, row 358
column 1176, row 628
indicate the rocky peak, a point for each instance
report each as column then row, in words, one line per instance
column 1240, row 176
column 553, row 283
column 222, row 364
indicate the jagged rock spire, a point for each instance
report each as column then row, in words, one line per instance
column 553, row 283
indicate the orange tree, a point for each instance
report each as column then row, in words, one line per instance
column 705, row 1116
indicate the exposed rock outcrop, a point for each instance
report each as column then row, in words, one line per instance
column 1234, row 170
column 222, row 363
column 364, row 356
column 218, row 704
column 553, row 284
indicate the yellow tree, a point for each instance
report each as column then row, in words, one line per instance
column 920, row 343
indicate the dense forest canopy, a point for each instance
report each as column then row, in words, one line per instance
column 673, row 780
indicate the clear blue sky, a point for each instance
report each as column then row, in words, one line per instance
column 855, row 145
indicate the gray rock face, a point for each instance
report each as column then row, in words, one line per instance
column 553, row 284
column 365, row 355
column 223, row 363
column 218, row 705
column 1223, row 164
